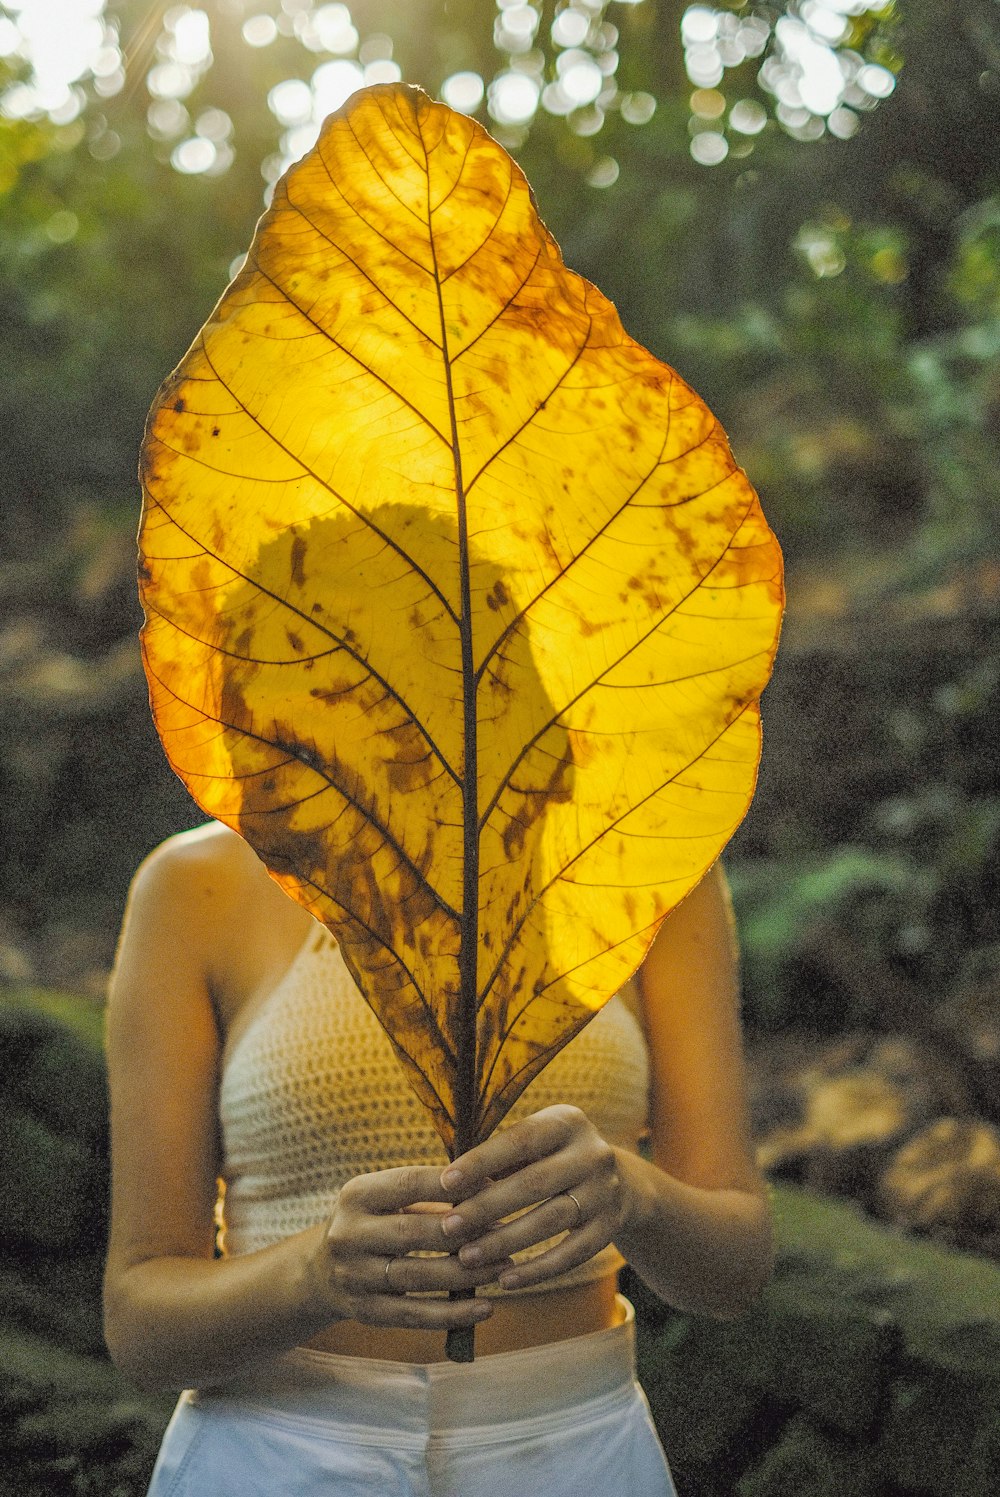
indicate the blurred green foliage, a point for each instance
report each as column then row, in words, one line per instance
column 838, row 304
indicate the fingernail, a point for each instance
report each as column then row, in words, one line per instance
column 483, row 1309
column 471, row 1255
column 452, row 1179
column 509, row 1280
column 451, row 1225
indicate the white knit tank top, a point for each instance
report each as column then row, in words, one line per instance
column 312, row 1094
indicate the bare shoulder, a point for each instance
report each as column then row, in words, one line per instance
column 205, row 902
column 212, row 851
column 185, row 897
column 698, row 936
column 205, row 872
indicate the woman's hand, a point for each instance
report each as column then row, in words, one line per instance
column 361, row 1268
column 558, row 1172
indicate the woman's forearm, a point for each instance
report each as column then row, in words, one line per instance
column 180, row 1322
column 176, row 1321
column 708, row 1251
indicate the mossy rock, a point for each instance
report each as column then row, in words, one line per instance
column 55, row 1295
column 53, row 1123
column 833, row 1360
column 52, row 1188
column 709, row 1423
column 942, row 1438
column 34, row 1366
column 817, row 1364
column 946, row 1303
column 52, row 1061
column 72, row 1425
column 809, row 1462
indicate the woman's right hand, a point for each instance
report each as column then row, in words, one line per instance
column 361, row 1266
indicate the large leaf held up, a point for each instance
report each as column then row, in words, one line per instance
column 458, row 607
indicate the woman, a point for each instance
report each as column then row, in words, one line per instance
column 316, row 1342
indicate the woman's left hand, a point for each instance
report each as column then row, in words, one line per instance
column 558, row 1172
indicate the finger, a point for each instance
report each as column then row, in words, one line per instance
column 570, row 1253
column 393, row 1190
column 410, row 1313
column 393, row 1236
column 537, row 1225
column 438, row 1274
column 507, row 1150
column 528, row 1187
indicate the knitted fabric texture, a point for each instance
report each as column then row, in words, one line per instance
column 312, row 1095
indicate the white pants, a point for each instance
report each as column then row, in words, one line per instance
column 561, row 1420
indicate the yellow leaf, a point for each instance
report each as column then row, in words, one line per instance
column 458, row 607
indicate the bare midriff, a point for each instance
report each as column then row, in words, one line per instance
column 518, row 1321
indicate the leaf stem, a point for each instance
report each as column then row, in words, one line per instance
column 460, row 1344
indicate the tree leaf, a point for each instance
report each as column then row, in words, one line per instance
column 457, row 606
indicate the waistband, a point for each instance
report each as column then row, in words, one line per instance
column 310, row 1387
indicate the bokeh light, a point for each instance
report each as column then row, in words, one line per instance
column 638, row 108
column 64, row 41
column 512, row 98
column 335, row 29
column 166, row 119
column 748, row 117
column 333, row 83
column 291, row 102
column 604, row 172
column 708, row 103
column 192, row 43
column 709, row 147
column 62, row 226
column 260, row 31
column 818, row 246
column 811, row 61
column 580, row 78
column 463, row 91
column 194, row 155
column 570, row 27
column 816, row 80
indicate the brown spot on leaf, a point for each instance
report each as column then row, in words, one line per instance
column 497, row 596
column 299, row 549
column 513, row 838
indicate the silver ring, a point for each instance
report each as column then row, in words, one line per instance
column 388, row 1264
column 579, row 1209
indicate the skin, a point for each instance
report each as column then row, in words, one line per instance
column 207, row 935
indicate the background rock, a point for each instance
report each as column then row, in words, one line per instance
column 946, row 1181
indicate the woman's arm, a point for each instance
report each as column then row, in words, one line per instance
column 695, row 1221
column 176, row 1317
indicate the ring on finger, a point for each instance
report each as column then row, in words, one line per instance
column 388, row 1287
column 579, row 1209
